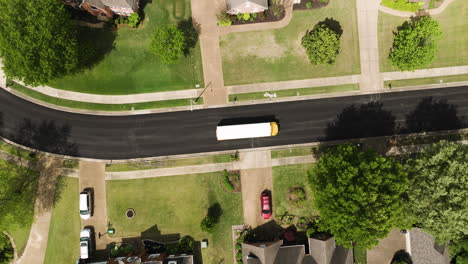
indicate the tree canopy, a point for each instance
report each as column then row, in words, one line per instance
column 38, row 42
column 168, row 43
column 18, row 187
column 322, row 44
column 6, row 249
column 415, row 43
column 438, row 192
column 358, row 194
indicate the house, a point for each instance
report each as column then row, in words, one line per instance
column 321, row 251
column 235, row 7
column 103, row 9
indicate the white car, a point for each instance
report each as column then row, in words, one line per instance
column 85, row 243
column 85, row 204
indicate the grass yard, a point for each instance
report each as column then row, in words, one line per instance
column 169, row 163
column 64, row 232
column 101, row 107
column 360, row 255
column 402, row 5
column 176, row 205
column 277, row 55
column 282, row 153
column 21, row 153
column 453, row 47
column 429, row 80
column 21, row 236
column 130, row 68
column 286, row 177
column 295, row 92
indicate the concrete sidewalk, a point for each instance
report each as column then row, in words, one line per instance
column 425, row 73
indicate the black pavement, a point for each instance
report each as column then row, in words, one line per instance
column 123, row 137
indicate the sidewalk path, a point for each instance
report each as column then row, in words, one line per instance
column 367, row 11
column 37, row 242
column 424, row 73
column 432, row 12
column 204, row 13
column 284, row 85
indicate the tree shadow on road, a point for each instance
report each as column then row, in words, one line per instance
column 432, row 115
column 366, row 120
column 45, row 136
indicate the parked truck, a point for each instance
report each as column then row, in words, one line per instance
column 264, row 129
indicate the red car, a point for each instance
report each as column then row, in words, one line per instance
column 266, row 205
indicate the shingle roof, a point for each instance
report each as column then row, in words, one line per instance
column 238, row 3
column 424, row 250
column 119, row 3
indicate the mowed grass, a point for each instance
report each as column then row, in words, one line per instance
column 402, row 5
column 20, row 236
column 20, row 153
column 169, row 163
column 130, row 67
column 176, row 205
column 286, row 177
column 101, row 107
column 453, row 47
column 64, row 232
column 295, row 92
column 429, row 80
column 277, row 55
column 282, row 153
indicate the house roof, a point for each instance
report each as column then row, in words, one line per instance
column 322, row 249
column 240, row 3
column 290, row 255
column 424, row 250
column 96, row 3
column 264, row 252
column 119, row 3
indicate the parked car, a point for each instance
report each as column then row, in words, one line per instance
column 266, row 205
column 86, row 242
column 85, row 204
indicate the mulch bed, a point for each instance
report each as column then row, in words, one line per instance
column 316, row 4
column 262, row 17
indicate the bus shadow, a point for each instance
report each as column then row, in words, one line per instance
column 248, row 120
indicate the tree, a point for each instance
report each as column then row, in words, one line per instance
column 415, row 43
column 134, row 20
column 168, row 43
column 358, row 194
column 438, row 195
column 38, row 42
column 322, row 44
column 18, row 187
column 6, row 250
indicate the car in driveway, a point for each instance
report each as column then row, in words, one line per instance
column 85, row 204
column 265, row 199
column 86, row 243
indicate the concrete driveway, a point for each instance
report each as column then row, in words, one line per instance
column 387, row 247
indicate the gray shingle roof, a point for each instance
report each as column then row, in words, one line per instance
column 424, row 250
column 238, row 3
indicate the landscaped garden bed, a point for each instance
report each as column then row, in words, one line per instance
column 231, row 181
column 310, row 4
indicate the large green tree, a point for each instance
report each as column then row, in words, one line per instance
column 438, row 192
column 358, row 194
column 415, row 43
column 6, row 250
column 38, row 42
column 322, row 44
column 18, row 187
column 168, row 43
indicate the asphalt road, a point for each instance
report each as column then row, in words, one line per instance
column 123, row 137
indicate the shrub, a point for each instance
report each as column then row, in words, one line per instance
column 239, row 16
column 415, row 44
column 322, row 44
column 309, row 4
column 207, row 224
column 226, row 181
column 324, row 1
column 168, row 43
column 276, row 8
column 6, row 249
column 238, row 247
column 296, row 196
column 246, row 16
column 224, row 19
column 134, row 20
column 310, row 231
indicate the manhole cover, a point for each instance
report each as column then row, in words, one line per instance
column 130, row 213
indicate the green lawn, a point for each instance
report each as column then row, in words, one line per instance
column 167, row 163
column 130, row 67
column 402, row 5
column 453, row 47
column 101, row 107
column 64, row 232
column 429, row 80
column 360, row 255
column 286, row 177
column 21, row 153
column 282, row 153
column 20, row 235
column 176, row 205
column 295, row 92
column 277, row 55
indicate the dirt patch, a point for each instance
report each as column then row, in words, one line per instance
column 264, row 46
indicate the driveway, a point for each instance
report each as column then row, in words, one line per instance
column 92, row 175
column 384, row 251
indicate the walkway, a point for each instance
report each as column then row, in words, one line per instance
column 367, row 11
column 37, row 242
column 425, row 73
column 432, row 12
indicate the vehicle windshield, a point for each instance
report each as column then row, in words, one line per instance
column 83, row 212
column 266, row 211
column 83, row 239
